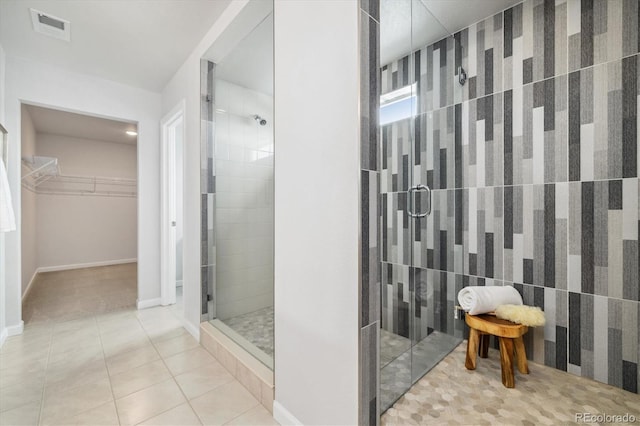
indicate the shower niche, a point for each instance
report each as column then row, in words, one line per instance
column 421, row 246
column 237, row 153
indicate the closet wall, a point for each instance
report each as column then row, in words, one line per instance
column 29, row 206
column 76, row 229
column 62, row 231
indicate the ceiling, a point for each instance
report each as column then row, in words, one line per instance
column 250, row 63
column 140, row 43
column 55, row 122
column 406, row 25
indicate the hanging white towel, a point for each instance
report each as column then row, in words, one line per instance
column 480, row 300
column 7, row 217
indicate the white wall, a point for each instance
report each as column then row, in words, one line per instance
column 37, row 83
column 3, row 330
column 179, row 202
column 244, row 200
column 316, row 211
column 29, row 231
column 75, row 230
column 3, row 60
column 185, row 84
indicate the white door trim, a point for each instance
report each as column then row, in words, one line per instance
column 167, row 203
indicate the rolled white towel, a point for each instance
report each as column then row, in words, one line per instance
column 480, row 300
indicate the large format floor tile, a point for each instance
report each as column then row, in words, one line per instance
column 223, row 404
column 149, row 402
column 79, row 363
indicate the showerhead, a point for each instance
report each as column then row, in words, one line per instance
column 260, row 120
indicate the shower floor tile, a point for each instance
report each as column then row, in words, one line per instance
column 451, row 394
column 396, row 375
column 256, row 327
column 392, row 346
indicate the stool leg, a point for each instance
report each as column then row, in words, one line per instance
column 483, row 351
column 506, row 361
column 521, row 354
column 472, row 349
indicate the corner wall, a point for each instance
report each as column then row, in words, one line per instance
column 317, row 211
column 29, row 208
column 3, row 323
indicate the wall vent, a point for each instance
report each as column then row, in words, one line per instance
column 50, row 25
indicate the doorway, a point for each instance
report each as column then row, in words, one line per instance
column 172, row 158
column 79, row 202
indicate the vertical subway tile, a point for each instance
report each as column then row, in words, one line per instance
column 371, row 201
column 369, row 371
column 601, row 31
column 483, row 44
column 539, row 42
column 630, row 255
column 630, row 116
column 533, row 163
column 372, row 8
column 369, row 92
column 370, row 263
column 587, row 237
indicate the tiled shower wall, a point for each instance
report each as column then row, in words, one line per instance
column 244, row 200
column 207, row 192
column 534, row 170
column 369, row 285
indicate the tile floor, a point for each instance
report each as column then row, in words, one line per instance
column 66, row 295
column 451, row 394
column 122, row 367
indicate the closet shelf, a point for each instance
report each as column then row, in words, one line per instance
column 43, row 177
column 39, row 169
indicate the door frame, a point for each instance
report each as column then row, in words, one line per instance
column 168, row 201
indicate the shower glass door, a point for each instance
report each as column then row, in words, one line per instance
column 417, row 120
column 400, row 198
column 238, row 100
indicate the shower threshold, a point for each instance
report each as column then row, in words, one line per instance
column 244, row 343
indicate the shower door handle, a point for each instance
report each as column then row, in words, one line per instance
column 410, row 197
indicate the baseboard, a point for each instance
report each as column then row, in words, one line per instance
column 283, row 416
column 14, row 330
column 85, row 265
column 3, row 336
column 149, row 303
column 29, row 286
column 193, row 330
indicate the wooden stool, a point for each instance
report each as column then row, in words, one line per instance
column 510, row 336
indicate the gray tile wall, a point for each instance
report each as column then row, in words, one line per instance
column 534, row 170
column 369, row 285
column 207, row 191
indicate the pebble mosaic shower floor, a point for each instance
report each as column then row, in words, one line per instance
column 256, row 327
column 450, row 394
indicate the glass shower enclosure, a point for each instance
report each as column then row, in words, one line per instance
column 237, row 183
column 420, row 247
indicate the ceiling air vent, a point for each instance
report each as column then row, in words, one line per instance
column 51, row 26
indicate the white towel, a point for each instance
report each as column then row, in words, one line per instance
column 7, row 217
column 480, row 300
